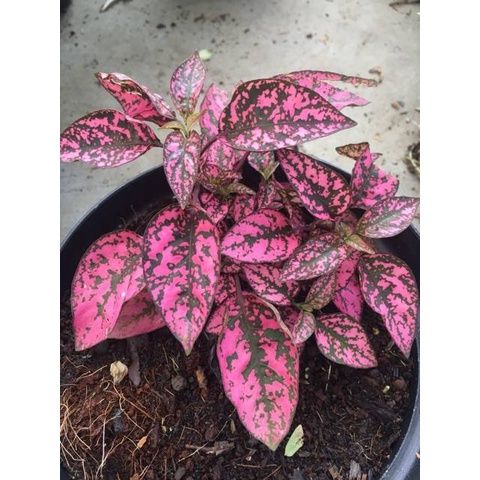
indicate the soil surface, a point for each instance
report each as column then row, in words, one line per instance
column 178, row 424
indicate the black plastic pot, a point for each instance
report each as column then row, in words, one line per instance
column 151, row 189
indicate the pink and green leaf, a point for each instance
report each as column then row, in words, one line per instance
column 323, row 192
column 242, row 206
column 259, row 364
column 343, row 340
column 264, row 280
column 216, row 207
column 222, row 155
column 219, row 315
column 262, row 162
column 215, row 179
column 213, row 103
column 106, row 138
column 138, row 316
column 180, row 161
column 261, row 237
column 225, row 287
column 303, row 328
column 136, row 100
column 182, row 265
column 388, row 217
column 312, row 78
column 322, row 290
column 186, row 84
column 270, row 114
column 390, row 289
column 318, row 256
column 108, row 275
column 349, row 299
column 347, row 268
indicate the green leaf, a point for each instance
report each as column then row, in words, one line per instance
column 295, row 442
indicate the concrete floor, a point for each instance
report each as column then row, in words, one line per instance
column 147, row 40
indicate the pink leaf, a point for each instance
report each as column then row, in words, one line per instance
column 216, row 207
column 318, row 256
column 342, row 340
column 260, row 367
column 388, row 217
column 264, row 280
column 261, row 161
column 270, row 114
column 182, row 266
column 109, row 274
column 243, row 205
column 312, row 78
column 303, row 327
column 349, row 299
column 138, row 316
column 346, row 269
column 180, row 161
column 225, row 287
column 215, row 179
column 261, row 237
column 323, row 192
column 106, row 138
column 290, row 317
column 136, row 100
column 390, row 289
column 213, row 103
column 222, row 155
column 186, row 84
column 338, row 97
column 322, row 290
column 219, row 316
column 267, row 196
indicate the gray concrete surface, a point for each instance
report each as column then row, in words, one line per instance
column 148, row 39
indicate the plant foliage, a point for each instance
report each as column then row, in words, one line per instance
column 254, row 263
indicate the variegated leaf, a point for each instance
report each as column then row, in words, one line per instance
column 139, row 315
column 347, row 268
column 260, row 367
column 359, row 243
column 318, row 256
column 267, row 196
column 303, row 327
column 106, row 138
column 242, row 206
column 180, row 161
column 390, row 289
column 311, row 78
column 264, row 280
column 261, row 237
column 220, row 154
column 186, row 84
column 269, row 114
column 343, row 340
column 108, row 275
column 136, row 100
column 322, row 290
column 225, row 287
column 216, row 207
column 338, row 97
column 349, row 299
column 388, row 217
column 381, row 186
column 215, row 179
column 323, row 192
column 262, row 162
column 213, row 103
column 182, row 264
column 220, row 315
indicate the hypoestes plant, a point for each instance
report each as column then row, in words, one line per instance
column 253, row 262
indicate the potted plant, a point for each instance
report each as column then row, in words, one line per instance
column 246, row 244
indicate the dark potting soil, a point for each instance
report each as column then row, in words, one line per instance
column 178, row 423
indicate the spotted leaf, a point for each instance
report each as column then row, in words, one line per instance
column 290, row 317
column 347, row 268
column 303, row 328
column 137, row 316
column 225, row 287
column 106, row 138
column 312, row 78
column 261, row 237
column 263, row 162
column 220, row 154
column 260, row 367
column 186, row 84
column 349, row 299
column 343, row 340
column 108, row 275
column 322, row 290
column 182, row 265
column 269, row 114
column 388, row 217
column 242, row 206
column 318, row 256
column 390, row 289
column 215, row 179
column 264, row 280
column 220, row 315
column 136, row 100
column 216, row 207
column 323, row 192
column 180, row 161
column 338, row 97
column 213, row 103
